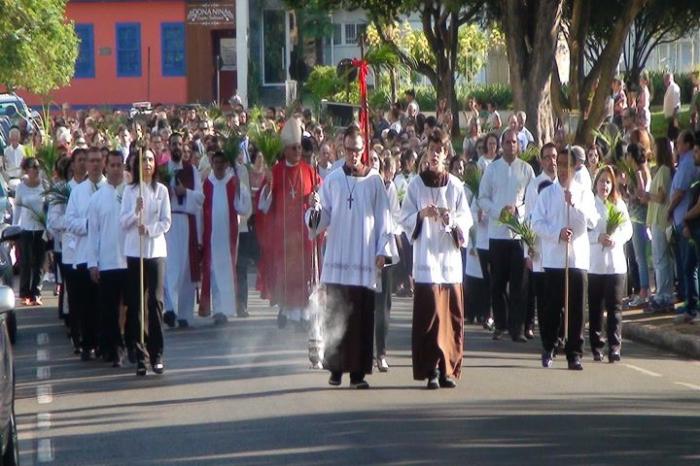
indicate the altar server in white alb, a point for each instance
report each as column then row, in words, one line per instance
column 354, row 209
column 182, row 271
column 435, row 215
column 224, row 200
column 564, row 212
column 106, row 260
column 83, row 306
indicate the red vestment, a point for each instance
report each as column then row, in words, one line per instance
column 286, row 247
column 208, row 188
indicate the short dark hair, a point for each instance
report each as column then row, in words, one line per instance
column 549, row 145
column 78, row 151
column 115, row 153
column 438, row 136
column 219, row 154
column 29, row 162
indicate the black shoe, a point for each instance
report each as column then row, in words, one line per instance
column 613, row 356
column 575, row 365
column 335, row 379
column 597, row 357
column 497, row 334
column 242, row 313
column 220, row 319
column 547, row 359
column 76, row 350
column 169, row 318
column 519, row 338
column 158, row 366
column 434, row 380
column 447, row 382
column 360, row 384
column 85, row 355
column 281, row 320
column 488, row 324
column 182, row 323
column 141, row 368
column 131, row 354
column 529, row 334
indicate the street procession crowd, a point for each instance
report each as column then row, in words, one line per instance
column 145, row 217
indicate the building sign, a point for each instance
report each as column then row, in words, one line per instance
column 211, row 14
column 227, row 47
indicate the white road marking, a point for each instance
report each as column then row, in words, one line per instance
column 42, row 355
column 643, row 371
column 44, row 394
column 42, row 339
column 43, row 421
column 43, row 372
column 44, row 453
column 688, row 385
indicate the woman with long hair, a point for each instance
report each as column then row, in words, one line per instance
column 638, row 213
column 643, row 101
column 608, row 266
column 145, row 217
column 658, row 199
column 30, row 202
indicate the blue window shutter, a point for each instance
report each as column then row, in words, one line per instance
column 128, row 46
column 85, row 63
column 172, row 41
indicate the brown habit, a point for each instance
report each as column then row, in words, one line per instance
column 438, row 329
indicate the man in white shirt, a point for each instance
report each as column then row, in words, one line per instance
column 672, row 99
column 563, row 214
column 580, row 172
column 84, row 290
column 106, row 260
column 503, row 187
column 12, row 159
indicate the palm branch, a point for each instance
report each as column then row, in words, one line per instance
column 231, row 147
column 472, row 178
column 611, row 140
column 530, row 153
column 522, row 229
column 38, row 216
column 164, row 175
column 614, row 218
column 57, row 193
column 47, row 155
column 268, row 142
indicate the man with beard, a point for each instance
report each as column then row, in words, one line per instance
column 183, row 239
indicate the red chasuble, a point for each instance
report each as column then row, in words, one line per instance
column 286, row 247
column 208, row 188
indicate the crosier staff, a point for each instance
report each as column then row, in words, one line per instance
column 142, row 300
column 568, row 246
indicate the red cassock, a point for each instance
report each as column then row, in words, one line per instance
column 286, row 249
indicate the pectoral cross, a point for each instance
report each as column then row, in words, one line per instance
column 350, row 199
column 292, row 192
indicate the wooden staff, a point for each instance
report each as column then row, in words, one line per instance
column 566, row 266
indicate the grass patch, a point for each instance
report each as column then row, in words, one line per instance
column 659, row 125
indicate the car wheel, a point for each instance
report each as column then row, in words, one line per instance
column 12, row 326
column 11, row 456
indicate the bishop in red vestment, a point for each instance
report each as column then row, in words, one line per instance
column 284, row 199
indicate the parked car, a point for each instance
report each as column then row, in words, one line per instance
column 13, row 107
column 9, row 446
column 8, row 235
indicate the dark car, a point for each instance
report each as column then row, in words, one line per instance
column 8, row 426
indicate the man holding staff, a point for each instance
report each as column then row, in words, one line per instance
column 563, row 214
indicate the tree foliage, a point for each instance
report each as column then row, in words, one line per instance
column 38, row 45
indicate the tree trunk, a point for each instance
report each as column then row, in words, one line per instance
column 318, row 44
column 531, row 31
column 593, row 111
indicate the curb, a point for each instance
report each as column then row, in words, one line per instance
column 685, row 345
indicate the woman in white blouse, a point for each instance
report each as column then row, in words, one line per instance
column 30, row 216
column 608, row 268
column 145, row 217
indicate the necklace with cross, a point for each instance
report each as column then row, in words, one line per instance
column 350, row 199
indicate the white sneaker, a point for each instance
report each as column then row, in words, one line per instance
column 382, row 365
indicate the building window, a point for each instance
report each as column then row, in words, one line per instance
column 360, row 28
column 128, row 50
column 337, row 34
column 85, row 63
column 350, row 34
column 172, row 40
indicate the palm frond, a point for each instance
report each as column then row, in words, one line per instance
column 614, row 218
column 530, row 154
column 38, row 216
column 522, row 229
column 47, row 156
column 231, row 147
column 611, row 138
column 164, row 175
column 268, row 142
column 57, row 193
column 472, row 178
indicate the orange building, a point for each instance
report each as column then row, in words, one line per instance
column 166, row 51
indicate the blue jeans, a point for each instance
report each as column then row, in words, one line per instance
column 689, row 279
column 663, row 265
column 640, row 240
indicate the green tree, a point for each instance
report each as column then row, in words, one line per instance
column 38, row 45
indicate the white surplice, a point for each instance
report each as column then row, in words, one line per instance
column 179, row 284
column 223, row 283
column 436, row 257
column 357, row 231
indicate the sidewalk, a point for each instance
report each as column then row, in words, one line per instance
column 660, row 331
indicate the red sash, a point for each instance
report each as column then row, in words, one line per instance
column 208, row 188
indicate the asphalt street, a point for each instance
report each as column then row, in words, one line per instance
column 244, row 394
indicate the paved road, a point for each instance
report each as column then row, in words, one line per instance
column 243, row 394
